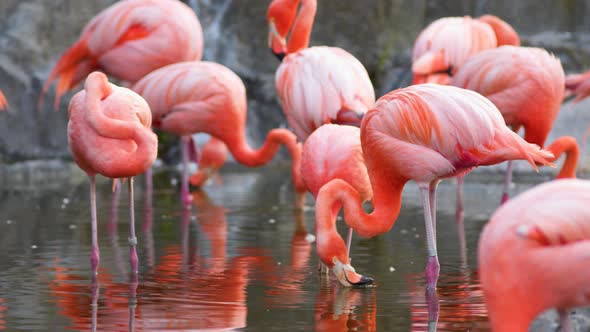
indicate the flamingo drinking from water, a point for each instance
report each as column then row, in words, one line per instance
column 127, row 41
column 206, row 97
column 316, row 85
column 442, row 47
column 527, row 86
column 425, row 133
column 109, row 134
column 533, row 255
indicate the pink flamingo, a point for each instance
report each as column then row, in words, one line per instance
column 424, row 133
column 3, row 102
column 526, row 84
column 334, row 152
column 194, row 97
column 578, row 85
column 442, row 48
column 212, row 157
column 316, row 85
column 533, row 255
column 128, row 40
column 109, row 134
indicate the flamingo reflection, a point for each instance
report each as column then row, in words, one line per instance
column 3, row 308
column 456, row 305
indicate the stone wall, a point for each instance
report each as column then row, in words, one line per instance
column 34, row 33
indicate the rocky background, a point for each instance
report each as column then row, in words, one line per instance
column 34, row 33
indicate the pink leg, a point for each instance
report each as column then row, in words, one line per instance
column 148, row 218
column 95, row 255
column 132, row 239
column 132, row 301
column 507, row 182
column 184, row 192
column 433, row 266
column 564, row 321
column 433, row 308
column 459, row 211
column 348, row 242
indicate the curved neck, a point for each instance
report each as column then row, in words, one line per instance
column 245, row 155
column 301, row 30
column 567, row 145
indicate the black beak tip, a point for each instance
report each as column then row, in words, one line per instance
column 279, row 56
column 365, row 281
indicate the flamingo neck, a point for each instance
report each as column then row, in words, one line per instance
column 567, row 145
column 245, row 155
column 301, row 30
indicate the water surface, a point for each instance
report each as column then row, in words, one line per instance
column 239, row 258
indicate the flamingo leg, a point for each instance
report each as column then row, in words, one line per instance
column 459, row 210
column 184, row 192
column 460, row 216
column 132, row 239
column 147, row 226
column 132, row 301
column 433, row 266
column 432, row 304
column 95, row 255
column 507, row 182
column 432, row 198
column 564, row 321
column 348, row 242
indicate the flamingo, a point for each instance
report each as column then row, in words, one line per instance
column 316, row 85
column 198, row 96
column 334, row 152
column 533, row 255
column 128, row 40
column 444, row 46
column 109, row 134
column 526, row 84
column 212, row 158
column 3, row 102
column 578, row 85
column 425, row 133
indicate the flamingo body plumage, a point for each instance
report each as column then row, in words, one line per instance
column 533, row 254
column 444, row 45
column 128, row 40
column 199, row 96
column 424, row 133
column 316, row 85
column 3, row 101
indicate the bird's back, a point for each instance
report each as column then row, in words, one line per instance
column 334, row 152
column 526, row 84
column 195, row 96
column 131, row 38
column 430, row 131
column 320, row 85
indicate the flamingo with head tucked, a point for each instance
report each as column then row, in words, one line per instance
column 526, row 84
column 533, row 255
column 206, row 97
column 425, row 133
column 128, row 40
column 109, row 134
column 442, row 47
column 316, row 85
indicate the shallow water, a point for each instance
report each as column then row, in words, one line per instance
column 240, row 258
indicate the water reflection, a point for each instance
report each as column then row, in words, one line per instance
column 457, row 304
column 345, row 309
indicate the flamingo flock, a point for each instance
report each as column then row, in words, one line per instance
column 473, row 88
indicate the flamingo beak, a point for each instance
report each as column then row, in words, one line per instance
column 347, row 275
column 276, row 42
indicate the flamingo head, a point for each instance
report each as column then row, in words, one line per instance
column 332, row 252
column 280, row 16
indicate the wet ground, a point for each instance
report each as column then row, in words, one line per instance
column 240, row 258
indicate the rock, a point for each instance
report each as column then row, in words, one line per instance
column 34, row 33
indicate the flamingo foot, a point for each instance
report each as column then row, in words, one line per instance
column 432, row 271
column 94, row 260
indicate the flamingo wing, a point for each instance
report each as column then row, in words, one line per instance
column 322, row 85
